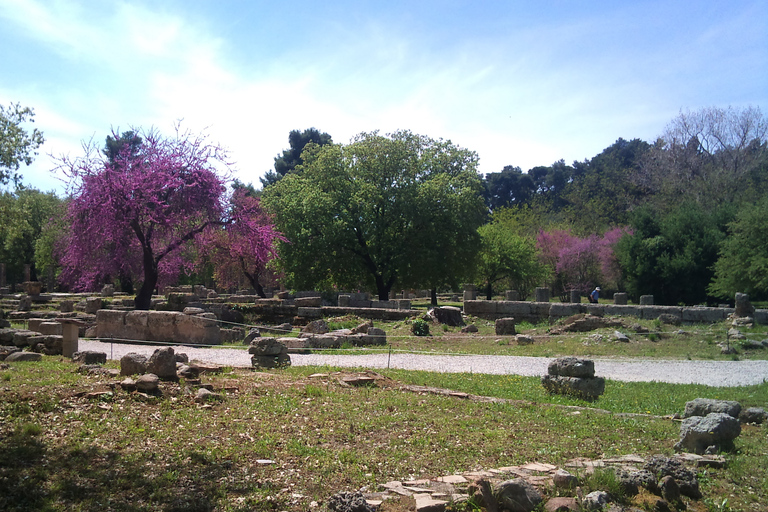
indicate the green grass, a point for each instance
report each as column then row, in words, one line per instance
column 60, row 450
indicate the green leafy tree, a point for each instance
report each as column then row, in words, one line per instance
column 291, row 157
column 742, row 265
column 381, row 210
column 508, row 257
column 671, row 256
column 17, row 146
column 25, row 214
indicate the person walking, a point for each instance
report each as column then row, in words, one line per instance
column 595, row 295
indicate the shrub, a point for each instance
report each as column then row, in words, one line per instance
column 420, row 328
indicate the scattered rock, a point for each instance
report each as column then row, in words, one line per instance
column 572, row 367
column 595, row 500
column 685, row 478
column 89, row 357
column 670, row 491
column 743, row 307
column 253, row 333
column 148, row 383
column 523, row 339
column 205, row 395
column 620, row 336
column 349, row 502
column 128, row 384
column 316, row 327
column 668, row 319
column 448, row 315
column 469, row 328
column 517, row 495
column 704, row 406
column 562, row 504
column 704, row 434
column 133, row 364
column 189, row 372
column 565, row 480
column 181, row 357
column 756, row 415
column 162, row 363
column 23, row 356
column 584, row 323
column 505, row 327
column 268, row 353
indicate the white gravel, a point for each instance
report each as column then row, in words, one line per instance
column 712, row 373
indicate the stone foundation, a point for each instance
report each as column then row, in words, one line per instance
column 163, row 326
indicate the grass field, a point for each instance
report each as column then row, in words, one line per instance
column 70, row 441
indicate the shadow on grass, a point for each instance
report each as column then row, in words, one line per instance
column 36, row 477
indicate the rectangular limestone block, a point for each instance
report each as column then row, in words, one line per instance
column 653, row 312
column 307, row 312
column 197, row 330
column 136, row 325
column 761, row 316
column 481, row 308
column 161, row 325
column 562, row 310
column 109, row 324
column 51, row 328
column 308, row 302
column 618, row 310
column 33, row 324
column 703, row 315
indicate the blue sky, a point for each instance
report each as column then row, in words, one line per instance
column 520, row 83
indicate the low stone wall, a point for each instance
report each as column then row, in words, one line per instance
column 164, row 326
column 539, row 311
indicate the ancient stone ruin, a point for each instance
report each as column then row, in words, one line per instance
column 575, row 377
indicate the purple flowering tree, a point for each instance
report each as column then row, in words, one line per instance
column 138, row 212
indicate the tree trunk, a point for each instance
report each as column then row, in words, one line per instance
column 489, row 291
column 382, row 288
column 433, row 296
column 126, row 283
column 144, row 297
column 255, row 284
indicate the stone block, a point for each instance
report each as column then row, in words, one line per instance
column 163, row 363
column 620, row 299
column 704, row 406
column 588, row 388
column 309, row 302
column 572, row 367
column 621, row 310
column 653, row 312
column 542, row 294
column 161, row 325
column 512, row 295
column 92, row 305
column 505, row 327
column 307, row 312
column 646, row 300
column 703, row 315
column 595, row 309
column 135, row 327
column 67, row 306
column 761, row 316
column 197, row 330
column 698, row 433
column 51, row 328
column 560, row 310
column 110, row 324
column 33, row 324
column 89, row 357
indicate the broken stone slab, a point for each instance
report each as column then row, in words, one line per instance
column 505, row 327
column 586, row 388
column 698, row 434
column 23, row 356
column 517, row 495
column 148, row 383
column 89, row 357
column 448, row 315
column 133, row 364
column 571, row 367
column 756, row 415
column 704, row 406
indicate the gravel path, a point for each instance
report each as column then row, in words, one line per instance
column 713, row 373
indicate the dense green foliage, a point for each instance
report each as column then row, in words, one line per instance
column 17, row 146
column 384, row 210
column 25, row 214
column 291, row 157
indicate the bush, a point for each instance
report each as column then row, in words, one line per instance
column 420, row 328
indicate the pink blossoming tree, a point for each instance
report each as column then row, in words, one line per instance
column 579, row 263
column 139, row 211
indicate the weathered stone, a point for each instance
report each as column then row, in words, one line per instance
column 448, row 315
column 133, row 364
column 67, row 306
column 316, row 327
column 588, row 388
column 23, row 356
column 704, row 406
column 309, row 302
column 620, row 299
column 517, row 495
column 188, row 372
column 6, row 335
column 743, row 307
column 92, row 305
column 266, row 347
column 278, row 361
column 756, row 415
column 670, row 491
column 253, row 333
column 512, row 295
column 148, row 383
column 620, row 336
column 6, row 350
column 181, row 357
column 349, row 502
column 564, row 480
column 541, row 294
column 572, row 367
column 685, row 478
column 469, row 328
column 89, row 357
column 505, row 327
column 205, row 395
column 562, row 504
column 646, row 300
column 108, row 290
column 523, row 339
column 595, row 500
column 697, row 433
column 374, row 336
column 128, row 384
column 162, row 363
column 671, row 319
column 193, row 311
